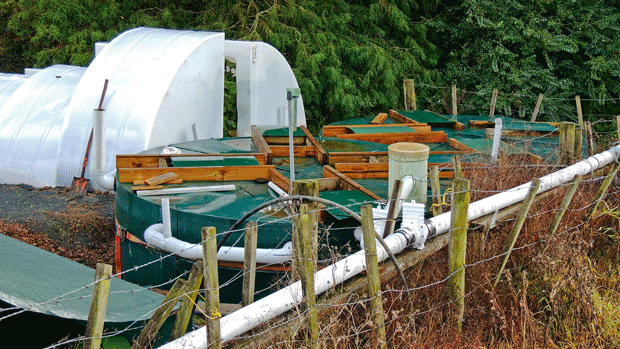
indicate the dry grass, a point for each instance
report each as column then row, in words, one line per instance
column 559, row 291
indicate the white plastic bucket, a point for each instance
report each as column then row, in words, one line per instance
column 409, row 159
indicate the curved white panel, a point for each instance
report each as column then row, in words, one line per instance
column 31, row 123
column 8, row 84
column 160, row 83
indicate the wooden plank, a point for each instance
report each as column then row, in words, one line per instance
column 279, row 179
column 160, row 179
column 396, row 137
column 142, row 160
column 281, row 151
column 261, row 144
column 362, row 170
column 379, row 119
column 348, row 183
column 146, row 187
column 172, row 181
column 283, row 140
column 460, row 146
column 162, row 162
column 319, row 153
column 207, row 174
column 335, row 130
column 328, row 184
column 400, row 117
column 357, row 157
column 490, row 132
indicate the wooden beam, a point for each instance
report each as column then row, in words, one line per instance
column 400, row 117
column 490, row 132
column 283, row 140
column 460, row 146
column 396, row 137
column 335, row 130
column 348, row 183
column 379, row 119
column 207, row 174
column 261, row 144
column 319, row 153
column 362, row 170
column 281, row 151
column 140, row 160
column 279, row 179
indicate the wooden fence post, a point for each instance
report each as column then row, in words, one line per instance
column 458, row 244
column 589, row 138
column 436, row 191
column 618, row 125
column 395, row 203
column 493, row 101
column 454, row 110
column 188, row 301
column 249, row 263
column 458, row 169
column 309, row 188
column 564, row 205
column 579, row 113
column 409, row 87
column 516, row 228
column 603, row 189
column 306, row 268
column 374, row 286
column 98, row 306
column 159, row 317
column 567, row 143
column 537, row 108
column 212, row 287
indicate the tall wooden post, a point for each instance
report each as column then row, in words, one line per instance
column 98, row 306
column 458, row 244
column 436, row 191
column 458, row 169
column 589, row 138
column 374, row 286
column 516, row 228
column 454, row 111
column 249, row 263
column 618, row 125
column 493, row 101
column 603, row 189
column 409, row 87
column 567, row 143
column 555, row 223
column 305, row 235
column 537, row 108
column 212, row 287
column 188, row 300
column 395, row 204
column 579, row 113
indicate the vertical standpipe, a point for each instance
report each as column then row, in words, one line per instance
column 409, row 159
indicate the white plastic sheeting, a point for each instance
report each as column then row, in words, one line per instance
column 31, row 124
column 161, row 83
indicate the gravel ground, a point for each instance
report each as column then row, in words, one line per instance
column 81, row 229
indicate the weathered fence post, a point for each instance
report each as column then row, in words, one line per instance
column 436, row 191
column 212, row 287
column 374, row 286
column 98, row 306
column 537, row 108
column 454, row 110
column 516, row 228
column 305, row 233
column 393, row 210
column 249, row 263
column 409, row 87
column 188, row 300
column 458, row 169
column 493, row 101
column 564, row 205
column 603, row 189
column 458, row 244
column 159, row 317
column 589, row 138
column 567, row 143
column 618, row 125
column 579, row 113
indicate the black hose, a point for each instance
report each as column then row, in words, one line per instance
column 319, row 200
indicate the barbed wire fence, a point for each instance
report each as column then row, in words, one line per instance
column 410, row 308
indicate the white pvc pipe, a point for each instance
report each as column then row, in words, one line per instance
column 186, row 190
column 103, row 178
column 154, row 235
column 165, row 216
column 265, row 309
column 277, row 189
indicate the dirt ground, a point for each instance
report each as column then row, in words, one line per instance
column 81, row 229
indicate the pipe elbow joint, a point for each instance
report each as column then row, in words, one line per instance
column 105, row 180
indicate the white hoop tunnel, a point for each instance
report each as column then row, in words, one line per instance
column 161, row 83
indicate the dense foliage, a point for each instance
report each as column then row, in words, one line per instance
column 350, row 57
